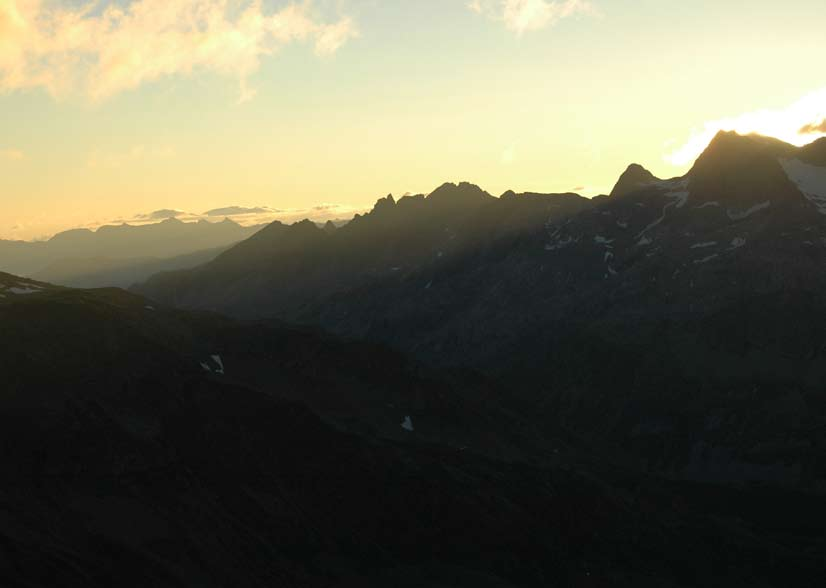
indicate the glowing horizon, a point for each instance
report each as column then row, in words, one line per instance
column 116, row 108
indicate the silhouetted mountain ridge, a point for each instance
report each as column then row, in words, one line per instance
column 633, row 179
column 590, row 309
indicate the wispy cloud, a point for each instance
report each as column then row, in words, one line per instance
column 813, row 128
column 521, row 16
column 102, row 49
column 799, row 123
column 11, row 155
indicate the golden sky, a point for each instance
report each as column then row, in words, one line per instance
column 112, row 109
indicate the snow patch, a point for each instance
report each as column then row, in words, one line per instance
column 219, row 363
column 622, row 224
column 206, row 367
column 407, row 424
column 704, row 245
column 679, row 196
column 560, row 244
column 643, row 242
column 809, row 179
column 738, row 242
column 708, row 205
column 23, row 291
column 599, row 239
column 740, row 215
column 706, row 259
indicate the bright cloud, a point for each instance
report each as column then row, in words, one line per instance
column 813, row 128
column 100, row 51
column 522, row 16
column 798, row 124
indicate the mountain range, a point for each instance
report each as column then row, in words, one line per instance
column 675, row 323
column 454, row 389
column 120, row 255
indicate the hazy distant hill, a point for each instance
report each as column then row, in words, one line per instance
column 136, row 452
column 96, row 272
column 680, row 322
column 71, row 255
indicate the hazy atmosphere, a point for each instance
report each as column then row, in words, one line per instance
column 112, row 110
column 412, row 293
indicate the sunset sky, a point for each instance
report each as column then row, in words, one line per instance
column 112, row 109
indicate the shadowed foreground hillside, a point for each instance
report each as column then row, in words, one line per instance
column 132, row 457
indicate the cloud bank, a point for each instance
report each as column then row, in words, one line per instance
column 521, row 16
column 243, row 215
column 799, row 123
column 103, row 48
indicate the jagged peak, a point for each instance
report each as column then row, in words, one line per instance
column 304, row 224
column 464, row 191
column 383, row 204
column 741, row 172
column 635, row 177
column 278, row 228
column 731, row 148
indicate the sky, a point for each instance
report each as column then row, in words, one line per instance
column 115, row 108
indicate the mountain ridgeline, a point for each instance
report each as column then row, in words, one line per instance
column 678, row 325
column 120, row 255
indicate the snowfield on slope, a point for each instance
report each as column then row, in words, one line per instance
column 744, row 214
column 809, row 179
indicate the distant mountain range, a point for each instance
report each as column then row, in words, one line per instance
column 120, row 255
column 676, row 323
column 147, row 446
